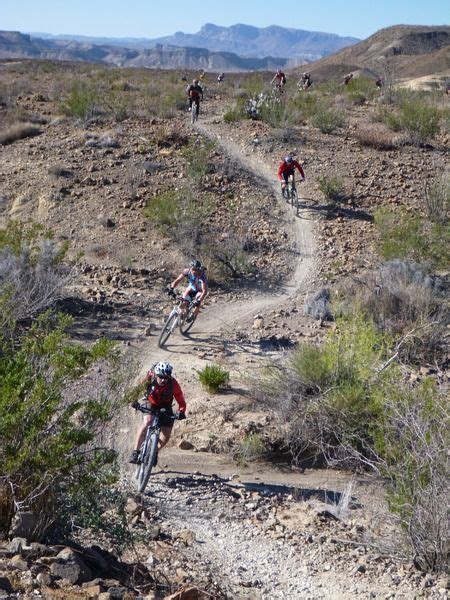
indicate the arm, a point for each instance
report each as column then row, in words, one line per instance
column 174, row 283
column 204, row 290
column 179, row 396
column 280, row 171
column 300, row 169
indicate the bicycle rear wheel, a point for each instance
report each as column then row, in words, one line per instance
column 185, row 326
column 144, row 469
column 167, row 329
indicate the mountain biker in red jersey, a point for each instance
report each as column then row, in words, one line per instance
column 161, row 389
column 287, row 168
column 195, row 93
column 197, row 285
column 280, row 79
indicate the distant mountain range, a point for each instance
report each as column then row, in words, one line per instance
column 18, row 45
column 244, row 40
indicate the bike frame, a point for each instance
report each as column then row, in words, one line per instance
column 149, row 446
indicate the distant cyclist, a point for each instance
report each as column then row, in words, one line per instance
column 287, row 169
column 197, row 288
column 279, row 79
column 195, row 94
column 305, row 81
column 161, row 389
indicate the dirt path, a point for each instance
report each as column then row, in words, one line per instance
column 222, row 318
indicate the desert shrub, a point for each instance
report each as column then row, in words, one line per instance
column 83, row 101
column 420, row 121
column 332, row 187
column 409, row 235
column 198, row 160
column 59, row 170
column 32, row 272
column 346, row 400
column 267, row 107
column 214, row 378
column 252, row 447
column 361, row 89
column 327, row 119
column 18, row 131
column 437, row 200
column 375, row 137
column 48, row 448
column 232, row 115
column 405, row 301
column 317, row 305
column 162, row 209
column 391, row 118
column 412, row 455
column 306, row 105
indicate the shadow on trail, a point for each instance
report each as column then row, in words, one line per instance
column 333, row 211
column 184, row 482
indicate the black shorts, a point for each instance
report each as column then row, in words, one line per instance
column 165, row 416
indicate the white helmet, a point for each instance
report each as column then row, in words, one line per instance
column 163, row 369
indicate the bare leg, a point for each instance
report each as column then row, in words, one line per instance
column 166, row 432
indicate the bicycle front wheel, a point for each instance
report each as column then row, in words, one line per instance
column 186, row 325
column 167, row 329
column 295, row 201
column 144, row 469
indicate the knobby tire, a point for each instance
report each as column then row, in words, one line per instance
column 184, row 326
column 167, row 329
column 145, row 468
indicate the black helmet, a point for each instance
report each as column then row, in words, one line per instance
column 195, row 264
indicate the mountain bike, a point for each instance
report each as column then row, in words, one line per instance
column 195, row 109
column 148, row 452
column 289, row 192
column 182, row 315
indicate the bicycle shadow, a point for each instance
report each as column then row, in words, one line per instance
column 333, row 211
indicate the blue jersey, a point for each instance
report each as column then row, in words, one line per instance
column 196, row 282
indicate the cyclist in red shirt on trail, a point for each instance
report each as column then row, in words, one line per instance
column 280, row 79
column 161, row 389
column 287, row 169
column 195, row 93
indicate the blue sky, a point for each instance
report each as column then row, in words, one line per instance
column 151, row 18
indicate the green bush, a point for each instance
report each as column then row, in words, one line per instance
column 231, row 115
column 162, row 209
column 83, row 101
column 361, row 89
column 252, row 447
column 214, row 378
column 409, row 235
column 198, row 160
column 332, row 187
column 49, row 435
column 420, row 121
column 327, row 119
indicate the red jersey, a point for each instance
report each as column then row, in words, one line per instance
column 289, row 169
column 163, row 395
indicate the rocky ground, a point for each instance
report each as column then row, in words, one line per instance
column 210, row 526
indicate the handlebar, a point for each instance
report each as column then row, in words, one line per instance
column 151, row 410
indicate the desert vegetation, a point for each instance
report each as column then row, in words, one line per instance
column 132, row 192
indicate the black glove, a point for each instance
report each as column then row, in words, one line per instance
column 170, row 291
column 181, row 416
column 135, row 405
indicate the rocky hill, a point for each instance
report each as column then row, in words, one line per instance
column 14, row 45
column 246, row 40
column 406, row 51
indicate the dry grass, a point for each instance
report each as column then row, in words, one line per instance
column 19, row 131
column 375, row 137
